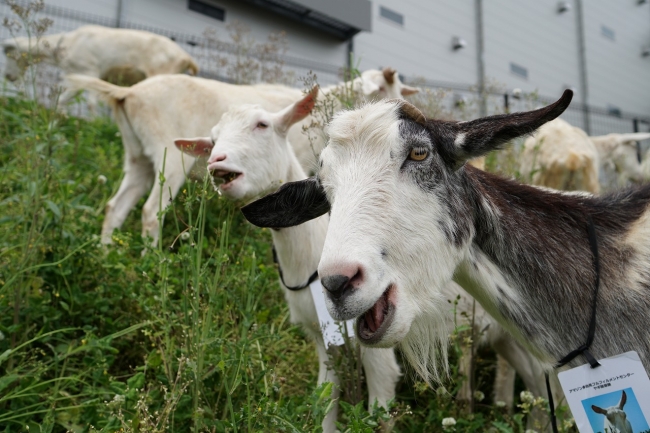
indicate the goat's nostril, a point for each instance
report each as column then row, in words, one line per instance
column 335, row 284
column 217, row 158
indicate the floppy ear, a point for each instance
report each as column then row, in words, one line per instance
column 598, row 410
column 480, row 136
column 195, row 146
column 408, row 90
column 297, row 111
column 292, row 204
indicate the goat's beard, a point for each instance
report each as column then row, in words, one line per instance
column 425, row 345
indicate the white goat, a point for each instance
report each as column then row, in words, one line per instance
column 250, row 153
column 407, row 216
column 615, row 418
column 619, row 163
column 100, row 52
column 149, row 124
column 561, row 156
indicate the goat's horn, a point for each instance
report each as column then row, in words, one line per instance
column 411, row 111
column 389, row 75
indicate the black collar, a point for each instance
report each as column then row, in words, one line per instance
column 312, row 278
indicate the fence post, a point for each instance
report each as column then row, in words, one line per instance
column 506, row 103
column 635, row 128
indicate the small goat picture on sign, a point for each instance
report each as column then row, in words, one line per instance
column 621, row 410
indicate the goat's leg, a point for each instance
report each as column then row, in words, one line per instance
column 464, row 395
column 175, row 168
column 325, row 374
column 504, row 383
column 138, row 176
column 382, row 374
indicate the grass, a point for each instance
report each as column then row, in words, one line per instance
column 192, row 336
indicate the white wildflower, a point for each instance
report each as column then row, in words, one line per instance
column 531, row 431
column 479, row 396
column 527, row 397
column 500, row 404
column 448, row 422
column 118, row 398
column 185, row 236
column 101, row 179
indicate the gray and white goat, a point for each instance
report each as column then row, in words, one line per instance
column 407, row 215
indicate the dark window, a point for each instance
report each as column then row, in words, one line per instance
column 391, row 15
column 613, row 110
column 206, row 9
column 608, row 33
column 519, row 71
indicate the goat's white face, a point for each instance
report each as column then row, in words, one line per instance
column 616, row 417
column 249, row 151
column 400, row 220
column 384, row 84
column 380, row 236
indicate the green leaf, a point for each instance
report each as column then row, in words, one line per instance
column 54, row 208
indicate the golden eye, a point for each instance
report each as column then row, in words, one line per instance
column 418, row 153
column 262, row 125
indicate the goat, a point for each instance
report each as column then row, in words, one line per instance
column 100, row 52
column 149, row 123
column 250, row 152
column 407, row 215
column 615, row 418
column 561, row 156
column 619, row 163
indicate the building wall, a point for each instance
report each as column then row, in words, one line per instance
column 617, row 74
column 422, row 46
column 531, row 35
column 174, row 16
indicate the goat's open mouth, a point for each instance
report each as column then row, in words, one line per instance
column 374, row 323
column 227, row 176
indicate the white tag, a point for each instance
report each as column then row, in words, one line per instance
column 597, row 396
column 330, row 328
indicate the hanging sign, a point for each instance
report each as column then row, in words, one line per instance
column 614, row 397
column 331, row 329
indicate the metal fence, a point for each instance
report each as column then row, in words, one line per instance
column 455, row 100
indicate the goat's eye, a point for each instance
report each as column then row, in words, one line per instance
column 262, row 125
column 418, row 153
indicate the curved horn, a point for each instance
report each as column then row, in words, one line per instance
column 389, row 75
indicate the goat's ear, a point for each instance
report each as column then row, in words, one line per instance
column 598, row 410
column 623, row 400
column 480, row 136
column 201, row 146
column 297, row 111
column 292, row 204
column 369, row 87
column 408, row 90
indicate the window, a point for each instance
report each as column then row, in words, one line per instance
column 519, row 71
column 207, row 9
column 608, row 33
column 613, row 110
column 391, row 15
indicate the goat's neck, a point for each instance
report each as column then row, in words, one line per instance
column 299, row 248
column 529, row 264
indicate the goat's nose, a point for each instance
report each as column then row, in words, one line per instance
column 341, row 279
column 335, row 284
column 216, row 158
